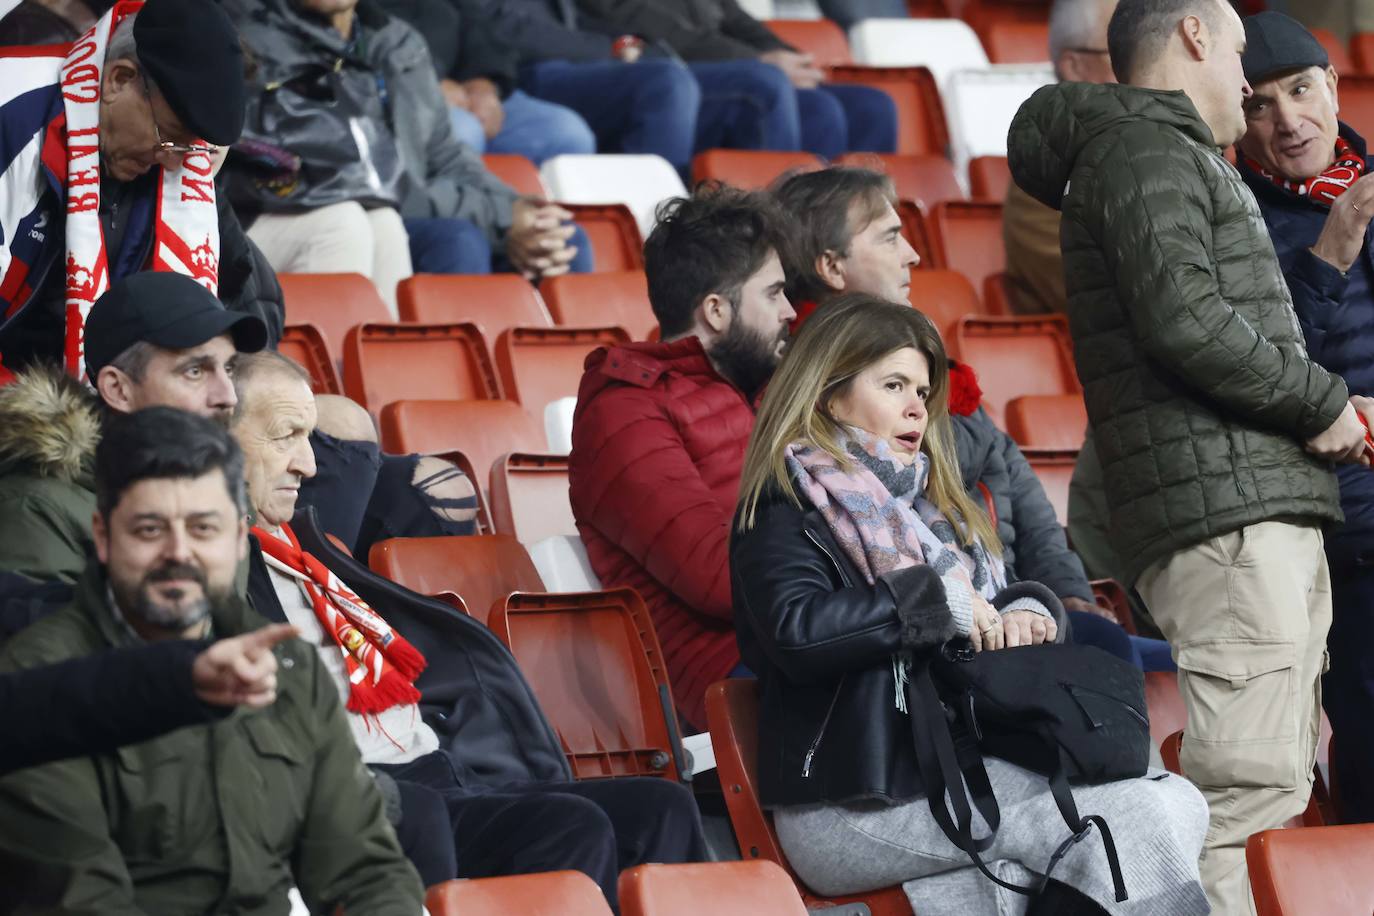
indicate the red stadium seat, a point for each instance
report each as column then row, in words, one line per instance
column 597, row 670
column 610, row 299
column 483, row 430
column 613, row 233
column 1047, row 421
column 1357, row 103
column 988, row 178
column 1362, row 54
column 944, row 296
column 1313, row 871
column 821, row 38
column 921, row 126
column 529, row 497
column 334, row 303
column 395, row 362
column 923, row 178
column 967, row 237
column 758, row 888
column 1010, row 41
column 541, row 365
column 732, row 708
column 558, row 893
column 516, row 171
column 304, row 344
column 1014, row 357
column 915, row 232
column 1164, row 703
column 464, row 464
column 493, row 302
column 996, row 301
column 483, row 569
column 749, row 169
column 1335, row 50
column 1054, row 470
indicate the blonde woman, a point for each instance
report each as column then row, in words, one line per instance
column 855, row 542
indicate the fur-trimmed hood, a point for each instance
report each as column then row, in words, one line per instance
column 49, row 425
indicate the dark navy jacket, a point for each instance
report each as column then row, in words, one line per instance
column 1336, row 312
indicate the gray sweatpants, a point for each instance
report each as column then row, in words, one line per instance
column 1158, row 825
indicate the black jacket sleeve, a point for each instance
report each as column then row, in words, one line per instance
column 536, row 34
column 786, row 594
column 695, row 37
column 97, row 703
column 1042, row 551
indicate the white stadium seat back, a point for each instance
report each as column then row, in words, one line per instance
column 979, row 107
column 943, row 45
column 639, row 182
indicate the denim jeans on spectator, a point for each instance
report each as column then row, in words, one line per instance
column 839, row 118
column 456, row 246
column 746, row 104
column 645, row 107
column 447, row 246
column 533, row 128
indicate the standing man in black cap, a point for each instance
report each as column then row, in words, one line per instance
column 1310, row 174
column 109, row 158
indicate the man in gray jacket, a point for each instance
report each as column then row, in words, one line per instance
column 349, row 158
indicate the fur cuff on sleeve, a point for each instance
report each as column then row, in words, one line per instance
column 1024, row 595
column 923, row 607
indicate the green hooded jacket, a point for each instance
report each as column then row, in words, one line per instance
column 1198, row 386
column 49, row 428
column 217, row 818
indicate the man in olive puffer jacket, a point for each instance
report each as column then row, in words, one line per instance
column 1213, row 426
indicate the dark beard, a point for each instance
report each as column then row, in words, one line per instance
column 137, row 601
column 746, row 357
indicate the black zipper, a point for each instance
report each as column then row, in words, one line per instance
column 1075, row 689
column 815, row 744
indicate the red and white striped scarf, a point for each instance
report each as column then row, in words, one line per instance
column 1334, row 181
column 382, row 666
column 186, row 222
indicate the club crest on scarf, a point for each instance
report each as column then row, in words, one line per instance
column 381, row 665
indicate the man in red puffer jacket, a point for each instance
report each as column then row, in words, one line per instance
column 660, row 430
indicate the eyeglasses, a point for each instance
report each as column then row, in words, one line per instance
column 167, row 147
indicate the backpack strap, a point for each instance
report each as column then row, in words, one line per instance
column 1068, row 808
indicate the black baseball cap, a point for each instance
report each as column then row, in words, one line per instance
column 1275, row 43
column 191, row 50
column 165, row 309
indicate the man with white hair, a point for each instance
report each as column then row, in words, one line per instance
column 1030, row 230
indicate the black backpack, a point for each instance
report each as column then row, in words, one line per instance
column 1072, row 713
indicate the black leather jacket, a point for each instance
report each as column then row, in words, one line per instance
column 821, row 641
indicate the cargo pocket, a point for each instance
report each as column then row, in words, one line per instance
column 1242, row 714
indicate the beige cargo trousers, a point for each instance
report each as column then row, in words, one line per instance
column 1246, row 615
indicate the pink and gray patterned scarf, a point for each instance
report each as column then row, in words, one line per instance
column 879, row 514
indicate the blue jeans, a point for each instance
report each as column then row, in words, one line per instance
column 645, row 107
column 456, row 246
column 748, row 104
column 533, row 128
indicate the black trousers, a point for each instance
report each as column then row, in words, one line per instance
column 1348, row 688
column 598, row 827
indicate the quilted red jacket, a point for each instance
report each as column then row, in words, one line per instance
column 657, row 448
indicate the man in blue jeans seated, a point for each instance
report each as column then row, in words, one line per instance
column 849, row 240
column 477, row 73
column 757, row 91
column 346, row 111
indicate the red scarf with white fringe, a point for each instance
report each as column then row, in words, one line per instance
column 381, row 665
column 1330, row 184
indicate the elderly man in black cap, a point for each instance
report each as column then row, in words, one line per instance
column 109, row 155
column 154, row 339
column 1310, row 174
